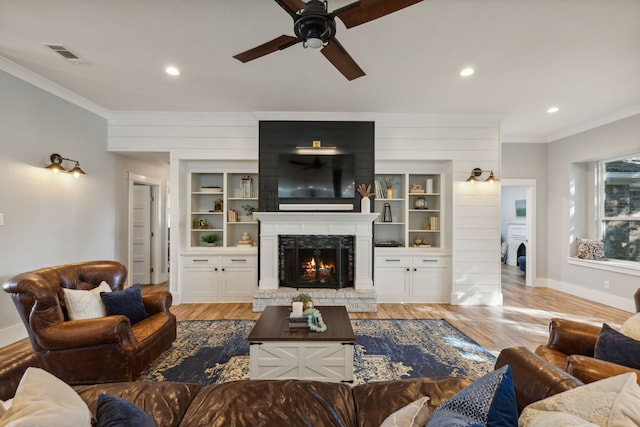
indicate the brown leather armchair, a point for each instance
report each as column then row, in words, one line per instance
column 571, row 347
column 104, row 349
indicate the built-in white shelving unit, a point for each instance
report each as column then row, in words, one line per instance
column 215, row 204
column 410, row 211
column 411, row 259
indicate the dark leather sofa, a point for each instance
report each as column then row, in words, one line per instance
column 294, row 402
column 571, row 347
column 96, row 350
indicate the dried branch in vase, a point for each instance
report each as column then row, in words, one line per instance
column 365, row 191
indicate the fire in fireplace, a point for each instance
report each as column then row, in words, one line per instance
column 316, row 261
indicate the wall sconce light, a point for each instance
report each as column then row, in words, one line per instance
column 56, row 165
column 477, row 172
column 316, row 148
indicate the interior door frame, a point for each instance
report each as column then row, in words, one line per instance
column 159, row 241
column 530, row 185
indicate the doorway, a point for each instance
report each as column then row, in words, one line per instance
column 518, row 224
column 147, row 260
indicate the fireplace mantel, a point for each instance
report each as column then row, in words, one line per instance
column 273, row 224
column 305, row 217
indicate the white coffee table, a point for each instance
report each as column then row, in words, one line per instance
column 278, row 352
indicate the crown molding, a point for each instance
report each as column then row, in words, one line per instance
column 592, row 124
column 40, row 82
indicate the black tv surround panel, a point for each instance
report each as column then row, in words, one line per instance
column 292, row 181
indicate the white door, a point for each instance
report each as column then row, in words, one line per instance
column 141, row 233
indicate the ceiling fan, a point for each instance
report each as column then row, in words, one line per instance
column 315, row 27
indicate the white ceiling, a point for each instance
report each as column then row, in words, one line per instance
column 581, row 55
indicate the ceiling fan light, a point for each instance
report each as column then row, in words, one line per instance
column 313, row 43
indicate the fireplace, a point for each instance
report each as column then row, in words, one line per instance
column 357, row 225
column 313, row 261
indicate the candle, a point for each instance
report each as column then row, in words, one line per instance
column 296, row 309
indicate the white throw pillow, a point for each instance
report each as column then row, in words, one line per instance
column 44, row 400
column 415, row 414
column 611, row 402
column 631, row 327
column 83, row 304
column 4, row 406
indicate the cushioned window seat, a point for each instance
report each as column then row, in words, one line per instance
column 625, row 267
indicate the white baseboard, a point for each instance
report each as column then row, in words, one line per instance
column 626, row 304
column 12, row 334
column 476, row 298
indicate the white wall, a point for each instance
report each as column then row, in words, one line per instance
column 509, row 195
column 467, row 141
column 569, row 210
column 55, row 219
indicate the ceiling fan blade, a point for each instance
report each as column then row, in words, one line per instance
column 364, row 11
column 338, row 56
column 278, row 43
column 292, row 6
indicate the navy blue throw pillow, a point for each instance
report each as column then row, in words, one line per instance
column 489, row 401
column 127, row 302
column 115, row 411
column 613, row 346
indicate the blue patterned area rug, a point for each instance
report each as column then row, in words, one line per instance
column 215, row 351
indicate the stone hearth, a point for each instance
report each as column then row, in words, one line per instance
column 353, row 300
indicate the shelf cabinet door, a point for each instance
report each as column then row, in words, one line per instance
column 429, row 279
column 392, row 283
column 239, row 277
column 428, row 285
column 201, row 276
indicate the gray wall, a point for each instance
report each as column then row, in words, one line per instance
column 529, row 161
column 55, row 219
column 570, row 208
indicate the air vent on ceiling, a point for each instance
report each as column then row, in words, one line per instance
column 64, row 52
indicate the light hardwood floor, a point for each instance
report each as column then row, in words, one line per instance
column 521, row 321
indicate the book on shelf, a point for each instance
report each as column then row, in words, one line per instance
column 434, row 223
column 232, row 215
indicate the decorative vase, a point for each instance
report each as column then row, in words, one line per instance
column 306, row 305
column 389, row 193
column 365, row 205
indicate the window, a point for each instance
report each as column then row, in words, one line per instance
column 620, row 208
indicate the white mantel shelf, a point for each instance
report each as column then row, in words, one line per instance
column 342, row 217
column 274, row 224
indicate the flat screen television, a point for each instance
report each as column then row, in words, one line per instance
column 316, row 176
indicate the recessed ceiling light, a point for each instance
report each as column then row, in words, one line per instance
column 466, row 72
column 172, row 71
column 552, row 110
